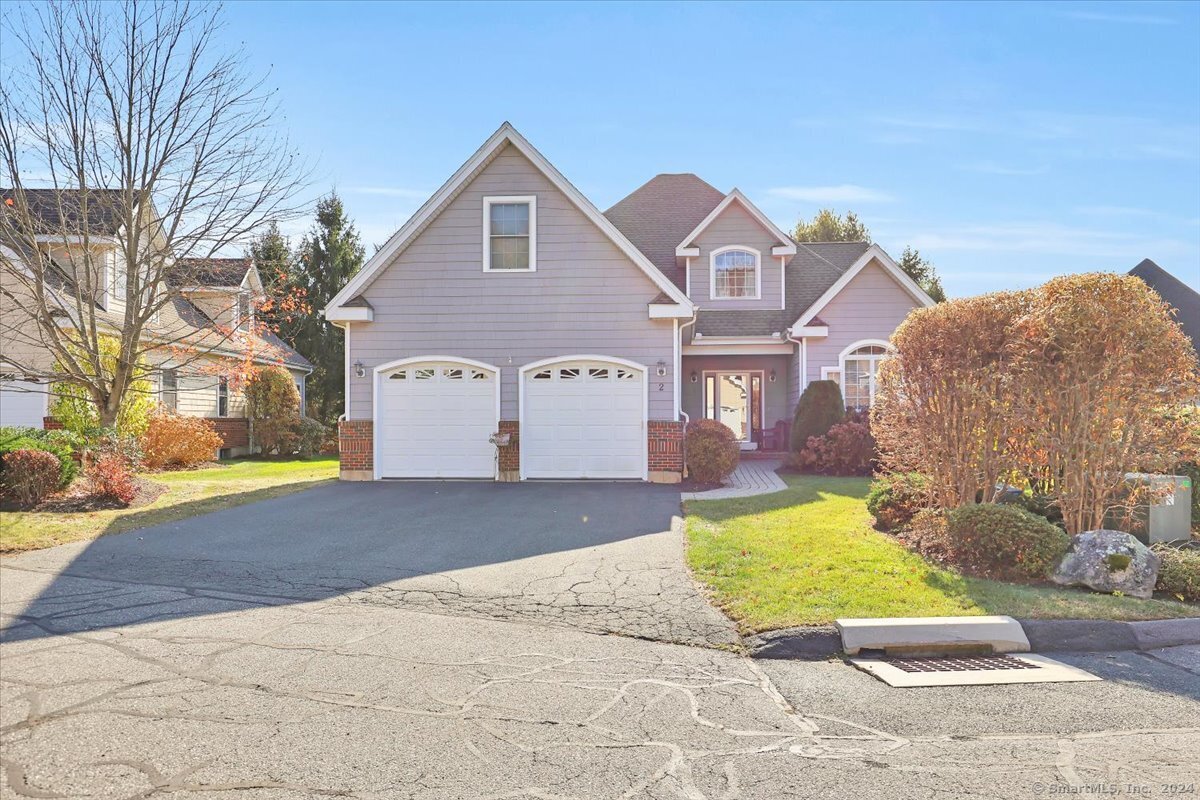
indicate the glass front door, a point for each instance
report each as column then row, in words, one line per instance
column 732, row 398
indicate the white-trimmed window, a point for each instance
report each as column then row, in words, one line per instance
column 859, row 369
column 243, row 312
column 735, row 274
column 510, row 234
column 168, row 388
column 222, row 396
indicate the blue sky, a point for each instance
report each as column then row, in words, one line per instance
column 1009, row 142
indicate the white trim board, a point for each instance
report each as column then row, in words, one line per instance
column 786, row 247
column 505, row 135
column 873, row 253
column 515, row 199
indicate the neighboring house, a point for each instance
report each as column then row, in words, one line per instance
column 204, row 335
column 1177, row 294
column 509, row 303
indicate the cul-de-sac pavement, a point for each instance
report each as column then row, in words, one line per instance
column 452, row 640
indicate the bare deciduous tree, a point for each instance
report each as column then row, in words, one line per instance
column 132, row 149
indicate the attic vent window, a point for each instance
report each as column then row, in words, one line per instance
column 510, row 234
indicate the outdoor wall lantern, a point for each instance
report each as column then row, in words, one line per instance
column 772, row 378
column 662, row 368
column 695, row 377
column 359, row 370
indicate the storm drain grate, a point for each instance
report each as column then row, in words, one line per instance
column 959, row 663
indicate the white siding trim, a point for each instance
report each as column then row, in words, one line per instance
column 488, row 202
column 506, row 134
column 786, row 247
column 873, row 253
column 712, row 272
column 545, row 362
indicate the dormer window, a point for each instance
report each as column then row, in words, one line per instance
column 244, row 315
column 735, row 274
column 510, row 234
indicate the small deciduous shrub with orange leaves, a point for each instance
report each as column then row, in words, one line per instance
column 712, row 451
column 172, row 439
column 111, row 477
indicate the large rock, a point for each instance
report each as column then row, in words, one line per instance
column 1109, row 561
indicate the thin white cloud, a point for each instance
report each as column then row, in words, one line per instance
column 843, row 193
column 992, row 168
column 1049, row 238
column 389, row 191
column 1122, row 19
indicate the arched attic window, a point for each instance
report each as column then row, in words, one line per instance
column 735, row 273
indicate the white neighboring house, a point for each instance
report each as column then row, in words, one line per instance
column 214, row 304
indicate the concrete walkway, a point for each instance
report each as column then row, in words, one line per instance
column 753, row 476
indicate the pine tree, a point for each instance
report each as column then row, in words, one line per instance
column 329, row 256
column 922, row 271
column 829, row 226
column 276, row 264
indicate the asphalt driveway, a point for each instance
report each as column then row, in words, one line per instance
column 602, row 557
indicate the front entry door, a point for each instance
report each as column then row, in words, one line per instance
column 735, row 399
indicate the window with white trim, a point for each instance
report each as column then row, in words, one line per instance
column 860, row 367
column 244, row 313
column 168, row 392
column 735, row 274
column 222, row 396
column 510, row 234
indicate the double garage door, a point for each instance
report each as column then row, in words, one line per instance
column 578, row 419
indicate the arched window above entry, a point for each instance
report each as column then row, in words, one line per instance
column 735, row 274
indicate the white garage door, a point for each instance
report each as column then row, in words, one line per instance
column 584, row 419
column 434, row 420
column 22, row 404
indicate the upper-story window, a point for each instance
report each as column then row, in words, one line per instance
column 244, row 314
column 510, row 234
column 735, row 274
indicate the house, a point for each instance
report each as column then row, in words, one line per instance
column 1177, row 294
column 509, row 304
column 196, row 342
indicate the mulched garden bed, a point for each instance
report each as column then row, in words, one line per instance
column 79, row 499
column 690, row 485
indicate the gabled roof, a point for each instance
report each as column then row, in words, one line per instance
column 504, row 136
column 872, row 254
column 659, row 213
column 786, row 246
column 1184, row 299
column 59, row 211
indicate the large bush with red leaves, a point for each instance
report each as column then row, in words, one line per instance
column 712, row 451
column 111, row 476
column 30, row 475
column 172, row 439
column 848, row 449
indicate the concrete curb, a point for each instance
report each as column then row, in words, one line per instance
column 1045, row 636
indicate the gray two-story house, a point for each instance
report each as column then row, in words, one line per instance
column 511, row 330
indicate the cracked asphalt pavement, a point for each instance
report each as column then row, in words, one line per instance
column 440, row 640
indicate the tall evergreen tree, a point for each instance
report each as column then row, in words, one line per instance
column 329, row 255
column 276, row 263
column 829, row 226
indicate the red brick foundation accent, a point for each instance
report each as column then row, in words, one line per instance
column 356, row 443
column 234, row 431
column 510, row 455
column 665, row 445
column 51, row 424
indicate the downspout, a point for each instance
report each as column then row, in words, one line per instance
column 679, row 383
column 802, row 360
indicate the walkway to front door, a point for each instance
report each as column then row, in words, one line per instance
column 752, row 476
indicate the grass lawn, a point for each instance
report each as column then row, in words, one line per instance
column 808, row 555
column 188, row 494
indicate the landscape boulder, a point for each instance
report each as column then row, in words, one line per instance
column 1109, row 561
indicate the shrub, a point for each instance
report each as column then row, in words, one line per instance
column 820, row 408
column 127, row 448
column 927, row 534
column 1004, row 541
column 1179, row 572
column 273, row 405
column 1192, row 470
column 712, row 451
column 30, row 475
column 847, row 449
column 896, row 498
column 172, row 439
column 310, row 436
column 111, row 477
column 34, row 439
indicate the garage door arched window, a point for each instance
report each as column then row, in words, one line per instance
column 735, row 274
column 859, row 368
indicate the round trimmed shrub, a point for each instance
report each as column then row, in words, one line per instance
column 895, row 498
column 712, row 451
column 1004, row 541
column 172, row 439
column 56, row 445
column 1179, row 571
column 30, row 475
column 820, row 408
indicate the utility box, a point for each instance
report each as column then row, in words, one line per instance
column 1166, row 515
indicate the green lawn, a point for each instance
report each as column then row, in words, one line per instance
column 808, row 555
column 188, row 494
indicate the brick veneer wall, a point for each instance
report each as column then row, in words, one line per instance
column 51, row 424
column 234, row 431
column 356, row 444
column 665, row 445
column 510, row 456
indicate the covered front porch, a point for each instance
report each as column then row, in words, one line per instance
column 750, row 393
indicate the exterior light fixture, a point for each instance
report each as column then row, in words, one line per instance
column 772, row 378
column 359, row 370
column 662, row 368
column 695, row 377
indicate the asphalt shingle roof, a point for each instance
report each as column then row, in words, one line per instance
column 61, row 210
column 1178, row 294
column 215, row 272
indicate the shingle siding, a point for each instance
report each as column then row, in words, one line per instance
column 586, row 296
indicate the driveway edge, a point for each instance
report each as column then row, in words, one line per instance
column 1045, row 636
